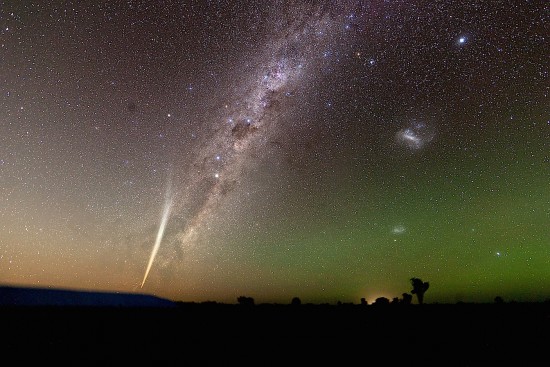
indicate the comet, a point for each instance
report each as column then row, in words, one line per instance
column 164, row 220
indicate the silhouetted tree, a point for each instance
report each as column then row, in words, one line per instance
column 382, row 301
column 419, row 288
column 245, row 301
column 296, row 301
column 395, row 301
column 407, row 299
column 498, row 299
column 364, row 302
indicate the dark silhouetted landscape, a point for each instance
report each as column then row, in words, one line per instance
column 109, row 327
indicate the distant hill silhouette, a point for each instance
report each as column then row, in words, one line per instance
column 22, row 296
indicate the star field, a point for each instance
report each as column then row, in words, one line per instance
column 330, row 151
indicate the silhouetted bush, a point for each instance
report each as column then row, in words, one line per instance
column 245, row 301
column 296, row 301
column 407, row 299
column 381, row 301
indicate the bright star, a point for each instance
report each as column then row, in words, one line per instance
column 462, row 40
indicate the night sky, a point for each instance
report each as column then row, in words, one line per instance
column 206, row 150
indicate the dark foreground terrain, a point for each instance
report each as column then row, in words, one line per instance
column 259, row 335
